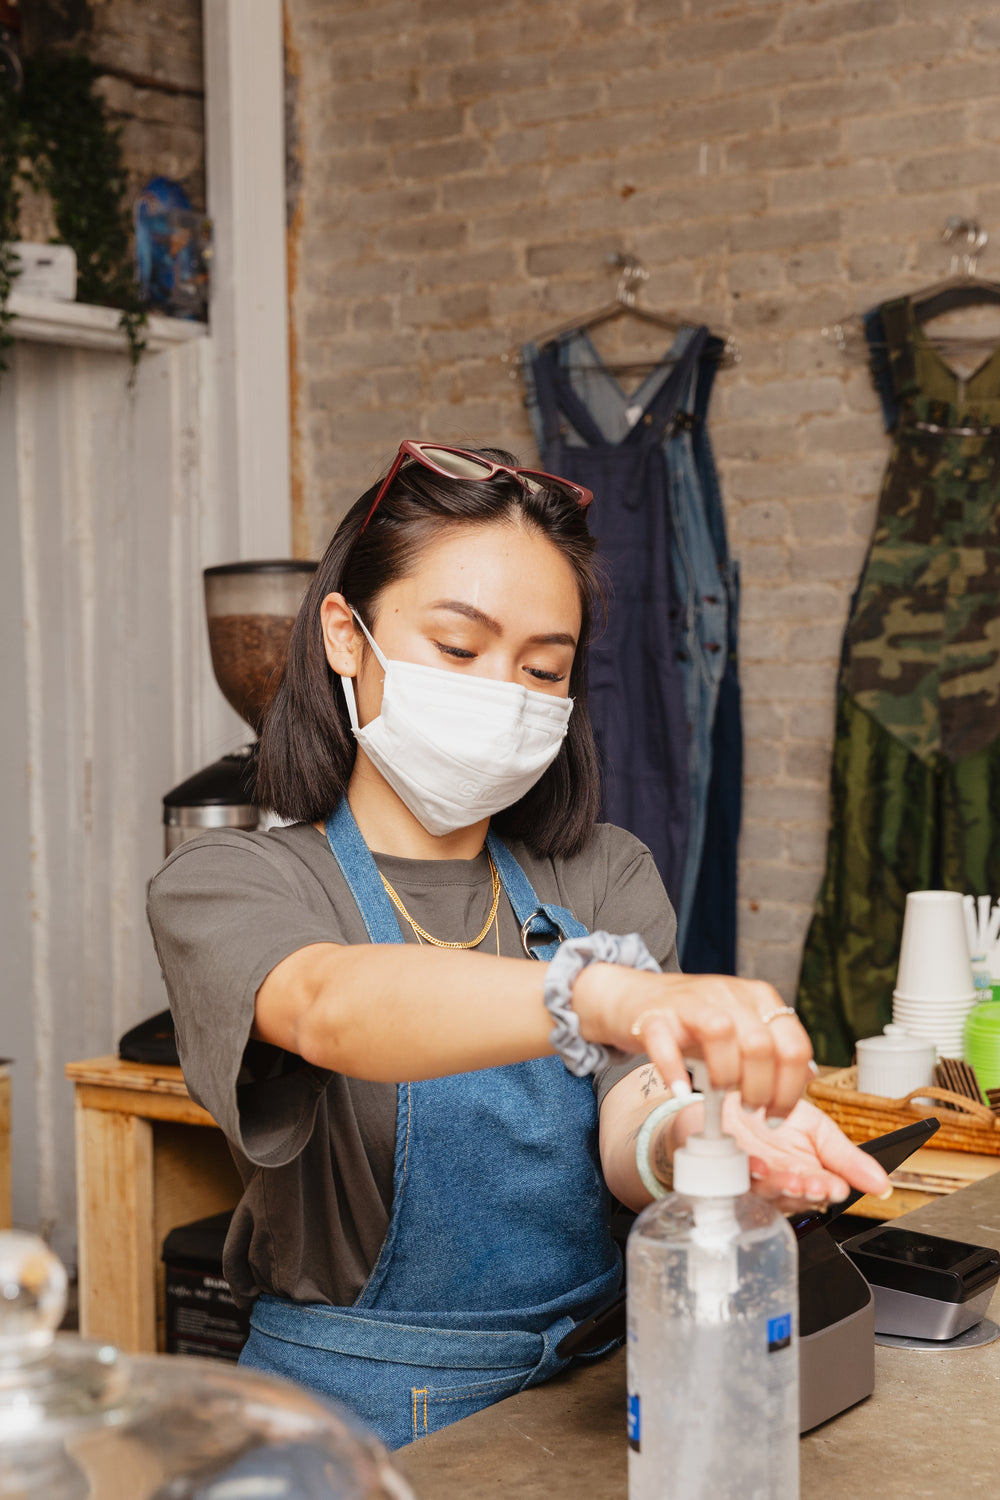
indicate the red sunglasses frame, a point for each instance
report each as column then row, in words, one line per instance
column 413, row 448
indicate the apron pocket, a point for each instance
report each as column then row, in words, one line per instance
column 437, row 1406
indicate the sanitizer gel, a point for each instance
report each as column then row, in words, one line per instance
column 713, row 1391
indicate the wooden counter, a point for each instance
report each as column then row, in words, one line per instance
column 928, row 1433
column 147, row 1159
column 927, row 1175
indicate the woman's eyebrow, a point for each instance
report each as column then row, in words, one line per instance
column 470, row 612
column 553, row 638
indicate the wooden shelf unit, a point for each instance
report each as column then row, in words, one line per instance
column 148, row 1158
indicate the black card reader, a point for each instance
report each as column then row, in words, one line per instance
column 925, row 1287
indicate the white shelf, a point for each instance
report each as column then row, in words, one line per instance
column 82, row 326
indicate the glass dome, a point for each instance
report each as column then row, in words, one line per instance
column 81, row 1421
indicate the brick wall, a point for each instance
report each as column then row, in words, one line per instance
column 154, row 87
column 465, row 170
column 151, row 80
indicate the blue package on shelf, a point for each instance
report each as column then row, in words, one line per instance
column 173, row 247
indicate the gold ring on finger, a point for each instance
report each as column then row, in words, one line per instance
column 780, row 1010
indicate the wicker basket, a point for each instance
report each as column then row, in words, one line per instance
column 965, row 1125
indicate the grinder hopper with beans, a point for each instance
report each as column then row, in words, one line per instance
column 251, row 607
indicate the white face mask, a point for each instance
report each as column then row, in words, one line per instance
column 458, row 749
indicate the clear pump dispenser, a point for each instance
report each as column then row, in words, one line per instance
column 713, row 1405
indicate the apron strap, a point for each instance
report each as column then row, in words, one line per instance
column 654, row 426
column 557, row 399
column 543, row 925
column 708, row 367
column 361, row 873
column 898, row 330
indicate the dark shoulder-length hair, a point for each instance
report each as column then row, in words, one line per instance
column 307, row 748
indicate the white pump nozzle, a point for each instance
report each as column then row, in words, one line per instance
column 710, row 1165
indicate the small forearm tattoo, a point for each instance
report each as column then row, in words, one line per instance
column 651, row 1082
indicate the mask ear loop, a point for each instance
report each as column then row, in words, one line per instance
column 347, row 683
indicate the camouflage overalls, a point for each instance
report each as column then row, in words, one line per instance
column 915, row 786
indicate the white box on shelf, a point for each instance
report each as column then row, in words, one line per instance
column 47, row 271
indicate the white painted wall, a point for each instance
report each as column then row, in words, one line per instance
column 245, row 175
column 112, row 501
column 108, row 512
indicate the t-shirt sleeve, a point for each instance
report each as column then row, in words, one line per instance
column 634, row 901
column 224, row 911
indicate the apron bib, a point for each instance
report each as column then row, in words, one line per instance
column 498, row 1242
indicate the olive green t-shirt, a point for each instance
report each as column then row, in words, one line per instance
column 315, row 1149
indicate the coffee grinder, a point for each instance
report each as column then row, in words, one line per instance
column 251, row 608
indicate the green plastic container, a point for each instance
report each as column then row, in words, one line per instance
column 982, row 1043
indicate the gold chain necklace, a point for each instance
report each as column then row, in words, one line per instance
column 422, row 932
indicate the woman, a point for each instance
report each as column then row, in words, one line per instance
column 426, row 1182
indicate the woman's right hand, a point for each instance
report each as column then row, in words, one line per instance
column 748, row 1038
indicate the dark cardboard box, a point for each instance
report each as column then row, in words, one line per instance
column 202, row 1317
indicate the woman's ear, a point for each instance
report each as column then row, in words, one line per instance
column 341, row 636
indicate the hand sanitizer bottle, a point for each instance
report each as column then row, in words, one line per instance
column 713, row 1388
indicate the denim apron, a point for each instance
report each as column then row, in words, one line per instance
column 498, row 1242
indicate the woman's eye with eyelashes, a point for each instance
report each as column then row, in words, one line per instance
column 457, row 651
column 460, row 653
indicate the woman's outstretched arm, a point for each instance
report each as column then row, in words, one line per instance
column 389, row 1013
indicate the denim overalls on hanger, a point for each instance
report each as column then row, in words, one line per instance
column 498, row 1242
column 705, row 628
column 637, row 697
column 710, row 936
column 705, row 614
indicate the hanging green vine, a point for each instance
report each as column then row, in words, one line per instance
column 9, row 205
column 58, row 126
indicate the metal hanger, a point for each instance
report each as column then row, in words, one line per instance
column 961, row 288
column 632, row 276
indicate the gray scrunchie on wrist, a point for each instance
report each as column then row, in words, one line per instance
column 573, row 955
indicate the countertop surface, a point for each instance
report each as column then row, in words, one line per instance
column 932, row 1428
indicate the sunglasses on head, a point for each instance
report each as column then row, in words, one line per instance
column 458, row 463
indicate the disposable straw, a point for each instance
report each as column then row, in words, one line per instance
column 993, row 931
column 993, row 963
column 969, row 911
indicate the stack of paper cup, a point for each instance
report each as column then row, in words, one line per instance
column 935, row 989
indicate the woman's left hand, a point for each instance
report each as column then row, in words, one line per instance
column 807, row 1161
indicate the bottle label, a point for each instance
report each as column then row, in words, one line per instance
column 779, row 1333
column 634, row 1424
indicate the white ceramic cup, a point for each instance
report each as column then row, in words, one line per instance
column 894, row 1063
column 934, row 953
